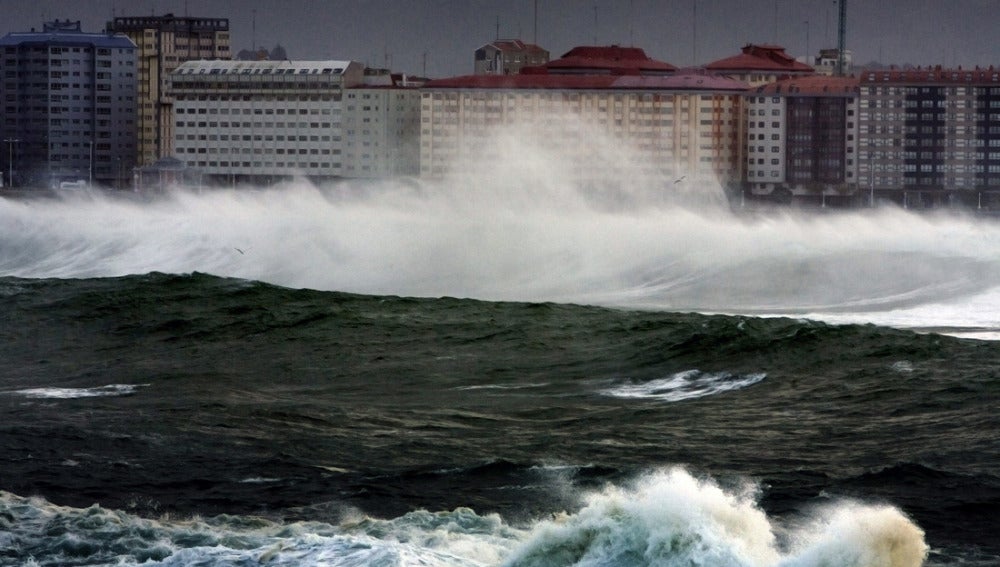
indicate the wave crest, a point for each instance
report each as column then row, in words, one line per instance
column 685, row 385
column 671, row 518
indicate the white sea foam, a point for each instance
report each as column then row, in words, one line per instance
column 520, row 229
column 667, row 518
column 110, row 390
column 685, row 385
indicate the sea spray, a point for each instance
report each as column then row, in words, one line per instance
column 543, row 242
column 856, row 535
column 668, row 518
column 672, row 519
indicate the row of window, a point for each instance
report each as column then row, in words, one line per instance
column 224, row 124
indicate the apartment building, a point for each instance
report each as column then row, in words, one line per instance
column 508, row 57
column 802, row 137
column 164, row 42
column 381, row 125
column 605, row 112
column 931, row 136
column 69, row 105
column 262, row 121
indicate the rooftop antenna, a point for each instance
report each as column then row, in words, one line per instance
column 595, row 24
column 631, row 25
column 841, row 38
column 253, row 36
column 775, row 21
column 534, row 35
column 498, row 27
column 694, row 41
column 425, row 63
column 807, row 43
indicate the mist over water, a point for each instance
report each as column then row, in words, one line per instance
column 531, row 235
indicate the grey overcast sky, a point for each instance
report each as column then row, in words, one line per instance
column 401, row 32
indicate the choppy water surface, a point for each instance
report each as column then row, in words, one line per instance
column 407, row 378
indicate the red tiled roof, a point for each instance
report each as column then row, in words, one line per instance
column 612, row 59
column 813, row 85
column 763, row 57
column 932, row 75
column 590, row 82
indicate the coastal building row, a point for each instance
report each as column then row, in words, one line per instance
column 265, row 121
column 96, row 106
column 583, row 109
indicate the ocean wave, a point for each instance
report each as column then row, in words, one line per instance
column 685, row 385
column 110, row 390
column 668, row 517
column 503, row 386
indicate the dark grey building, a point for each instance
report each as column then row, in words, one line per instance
column 68, row 109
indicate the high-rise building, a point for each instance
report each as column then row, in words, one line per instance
column 606, row 112
column 931, row 136
column 164, row 42
column 262, row 121
column 802, row 138
column 68, row 106
column 381, row 125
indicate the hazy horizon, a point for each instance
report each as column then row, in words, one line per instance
column 400, row 34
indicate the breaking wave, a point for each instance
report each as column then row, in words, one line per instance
column 110, row 390
column 685, row 386
column 668, row 517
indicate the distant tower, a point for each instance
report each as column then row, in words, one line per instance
column 841, row 37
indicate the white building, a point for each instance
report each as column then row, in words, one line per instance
column 381, row 124
column 262, row 121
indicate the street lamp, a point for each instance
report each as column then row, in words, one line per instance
column 90, row 164
column 10, row 159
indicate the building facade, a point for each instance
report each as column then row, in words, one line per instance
column 931, row 137
column 508, row 57
column 802, row 138
column 69, row 106
column 606, row 113
column 381, row 124
column 262, row 121
column 826, row 62
column 164, row 42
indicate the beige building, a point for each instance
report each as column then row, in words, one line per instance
column 613, row 113
column 164, row 42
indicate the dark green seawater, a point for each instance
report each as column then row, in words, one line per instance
column 506, row 370
column 193, row 419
